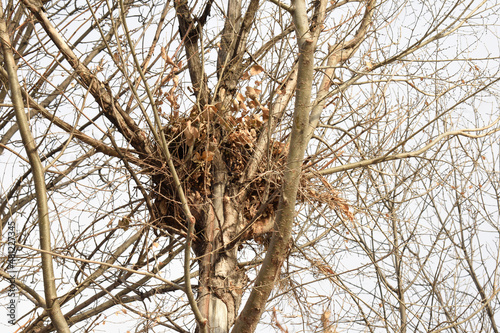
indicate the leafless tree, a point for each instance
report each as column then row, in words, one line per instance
column 219, row 166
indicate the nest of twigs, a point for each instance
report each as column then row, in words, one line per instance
column 193, row 144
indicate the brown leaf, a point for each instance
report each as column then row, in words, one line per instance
column 124, row 223
column 241, row 137
column 229, row 123
column 163, row 207
column 369, row 65
column 253, row 121
column 240, row 97
column 172, row 99
column 325, row 316
column 163, row 53
column 252, row 92
column 256, row 69
column 235, row 106
column 243, row 106
column 167, row 59
column 245, row 76
column 191, row 134
column 209, row 112
column 219, row 106
column 206, row 156
column 265, row 113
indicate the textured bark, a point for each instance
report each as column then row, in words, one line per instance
column 233, row 45
column 221, row 282
column 189, row 30
column 228, row 35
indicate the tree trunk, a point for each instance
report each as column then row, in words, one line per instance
column 221, row 282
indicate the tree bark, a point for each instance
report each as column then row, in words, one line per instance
column 221, row 282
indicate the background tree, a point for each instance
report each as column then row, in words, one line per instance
column 217, row 166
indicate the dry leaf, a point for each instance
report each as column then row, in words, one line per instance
column 170, row 61
column 241, row 137
column 245, row 76
column 163, row 53
column 253, row 121
column 173, row 101
column 369, row 65
column 163, row 207
column 206, row 156
column 235, row 107
column 124, row 223
column 191, row 133
column 243, row 106
column 256, row 69
column 222, row 93
column 252, row 93
column 325, row 317
column 265, row 113
column 209, row 112
column 219, row 107
column 325, row 320
column 240, row 97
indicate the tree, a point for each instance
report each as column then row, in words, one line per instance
column 201, row 165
